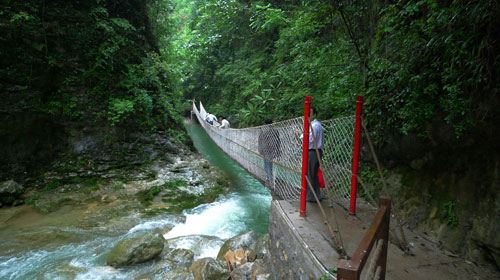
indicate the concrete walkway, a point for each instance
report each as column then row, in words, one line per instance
column 428, row 262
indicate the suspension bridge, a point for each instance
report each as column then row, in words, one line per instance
column 276, row 154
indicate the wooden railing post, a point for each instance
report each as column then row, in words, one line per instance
column 347, row 272
column 378, row 231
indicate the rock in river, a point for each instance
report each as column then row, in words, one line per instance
column 136, row 249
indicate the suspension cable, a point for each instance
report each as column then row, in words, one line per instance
column 403, row 243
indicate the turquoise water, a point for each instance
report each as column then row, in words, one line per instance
column 251, row 199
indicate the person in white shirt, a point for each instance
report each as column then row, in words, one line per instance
column 223, row 123
column 315, row 150
column 210, row 118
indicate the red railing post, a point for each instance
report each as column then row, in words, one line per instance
column 355, row 155
column 305, row 156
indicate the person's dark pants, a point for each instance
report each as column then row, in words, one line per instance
column 312, row 175
column 268, row 167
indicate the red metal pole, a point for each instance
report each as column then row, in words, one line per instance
column 355, row 156
column 305, row 156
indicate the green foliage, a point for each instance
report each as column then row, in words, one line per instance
column 32, row 199
column 327, row 275
column 21, row 18
column 146, row 196
column 89, row 183
column 51, row 186
column 251, row 115
column 174, row 184
column 431, row 61
column 448, row 212
column 372, row 186
column 267, row 18
column 119, row 109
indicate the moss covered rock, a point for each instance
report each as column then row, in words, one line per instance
column 136, row 249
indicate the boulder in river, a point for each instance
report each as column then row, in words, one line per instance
column 10, row 191
column 245, row 240
column 209, row 269
column 137, row 249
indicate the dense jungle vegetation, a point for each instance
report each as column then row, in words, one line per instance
column 88, row 61
column 418, row 63
column 429, row 71
column 82, row 67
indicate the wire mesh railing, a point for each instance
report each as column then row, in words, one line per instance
column 273, row 154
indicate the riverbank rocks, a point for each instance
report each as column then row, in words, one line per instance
column 137, row 249
column 10, row 192
column 178, row 274
column 242, row 272
column 245, row 265
column 209, row 269
column 245, row 255
column 262, row 246
column 260, row 270
column 245, row 240
column 237, row 257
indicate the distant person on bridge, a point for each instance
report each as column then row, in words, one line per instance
column 210, row 118
column 269, row 145
column 315, row 150
column 223, row 123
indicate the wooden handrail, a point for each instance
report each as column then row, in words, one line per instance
column 378, row 230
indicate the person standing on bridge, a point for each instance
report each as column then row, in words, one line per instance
column 223, row 123
column 315, row 154
column 210, row 119
column 269, row 145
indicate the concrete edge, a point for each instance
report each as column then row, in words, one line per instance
column 299, row 238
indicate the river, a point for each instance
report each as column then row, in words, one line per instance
column 72, row 243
